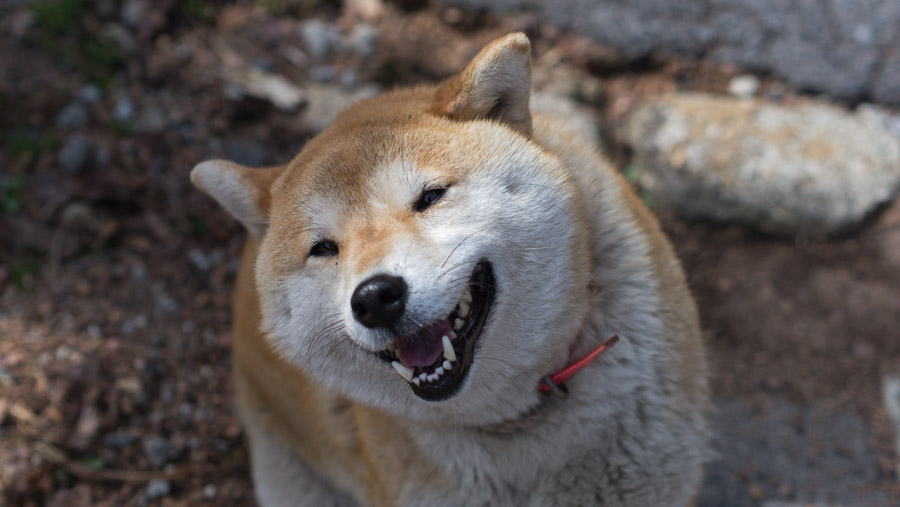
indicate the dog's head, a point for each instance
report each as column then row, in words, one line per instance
column 422, row 255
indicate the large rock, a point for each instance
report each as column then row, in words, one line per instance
column 844, row 48
column 808, row 169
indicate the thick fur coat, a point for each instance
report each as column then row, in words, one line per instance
column 436, row 186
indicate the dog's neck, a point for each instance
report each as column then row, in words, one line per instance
column 555, row 383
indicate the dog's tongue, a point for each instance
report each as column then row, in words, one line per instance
column 423, row 347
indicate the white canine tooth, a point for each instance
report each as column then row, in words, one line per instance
column 467, row 295
column 449, row 354
column 447, row 365
column 439, row 370
column 463, row 309
column 416, row 381
column 403, row 370
column 458, row 324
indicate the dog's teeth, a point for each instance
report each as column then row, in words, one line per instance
column 433, row 377
column 439, row 370
column 452, row 335
column 447, row 365
column 467, row 295
column 404, row 372
column 423, row 377
column 449, row 354
column 463, row 309
column 416, row 381
column 458, row 324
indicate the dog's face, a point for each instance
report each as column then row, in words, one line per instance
column 421, row 255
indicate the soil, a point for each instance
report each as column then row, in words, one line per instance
column 115, row 274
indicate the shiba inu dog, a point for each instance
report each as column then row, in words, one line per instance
column 414, row 280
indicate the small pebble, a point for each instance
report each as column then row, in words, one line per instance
column 74, row 154
column 72, row 117
column 158, row 450
column 157, row 488
column 319, row 37
column 124, row 109
column 743, row 86
column 90, row 94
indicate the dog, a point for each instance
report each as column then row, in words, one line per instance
column 418, row 287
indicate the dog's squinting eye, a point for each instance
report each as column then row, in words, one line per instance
column 323, row 248
column 429, row 197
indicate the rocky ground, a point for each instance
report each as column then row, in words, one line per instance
column 115, row 274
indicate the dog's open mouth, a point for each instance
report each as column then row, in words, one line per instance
column 436, row 358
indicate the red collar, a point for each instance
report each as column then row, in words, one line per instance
column 555, row 382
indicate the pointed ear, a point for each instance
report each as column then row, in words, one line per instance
column 242, row 191
column 496, row 85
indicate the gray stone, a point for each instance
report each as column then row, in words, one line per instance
column 124, row 109
column 90, row 94
column 74, row 154
column 363, row 39
column 834, row 46
column 118, row 440
column 322, row 73
column 577, row 116
column 122, row 37
column 152, row 119
column 204, row 262
column 246, row 151
column 72, row 117
column 319, row 37
column 810, row 169
column 132, row 13
column 891, row 394
column 745, row 85
column 325, row 103
column 209, row 491
column 156, row 489
column 158, row 450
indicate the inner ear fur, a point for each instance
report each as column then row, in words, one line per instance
column 496, row 85
column 243, row 191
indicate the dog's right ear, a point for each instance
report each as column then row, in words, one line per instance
column 242, row 191
column 496, row 85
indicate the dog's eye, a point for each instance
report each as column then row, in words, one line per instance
column 325, row 248
column 429, row 197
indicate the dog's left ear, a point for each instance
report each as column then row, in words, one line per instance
column 243, row 191
column 496, row 85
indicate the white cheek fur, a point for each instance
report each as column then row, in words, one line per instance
column 509, row 212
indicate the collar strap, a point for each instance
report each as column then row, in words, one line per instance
column 555, row 383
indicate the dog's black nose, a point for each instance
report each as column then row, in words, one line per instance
column 379, row 301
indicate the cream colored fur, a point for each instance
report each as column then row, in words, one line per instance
column 577, row 258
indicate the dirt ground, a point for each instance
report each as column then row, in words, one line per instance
column 115, row 274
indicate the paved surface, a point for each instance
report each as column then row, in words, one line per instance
column 785, row 454
column 843, row 48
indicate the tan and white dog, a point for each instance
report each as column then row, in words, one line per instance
column 413, row 275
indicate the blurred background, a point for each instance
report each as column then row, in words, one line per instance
column 764, row 134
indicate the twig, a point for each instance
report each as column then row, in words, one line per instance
column 56, row 455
